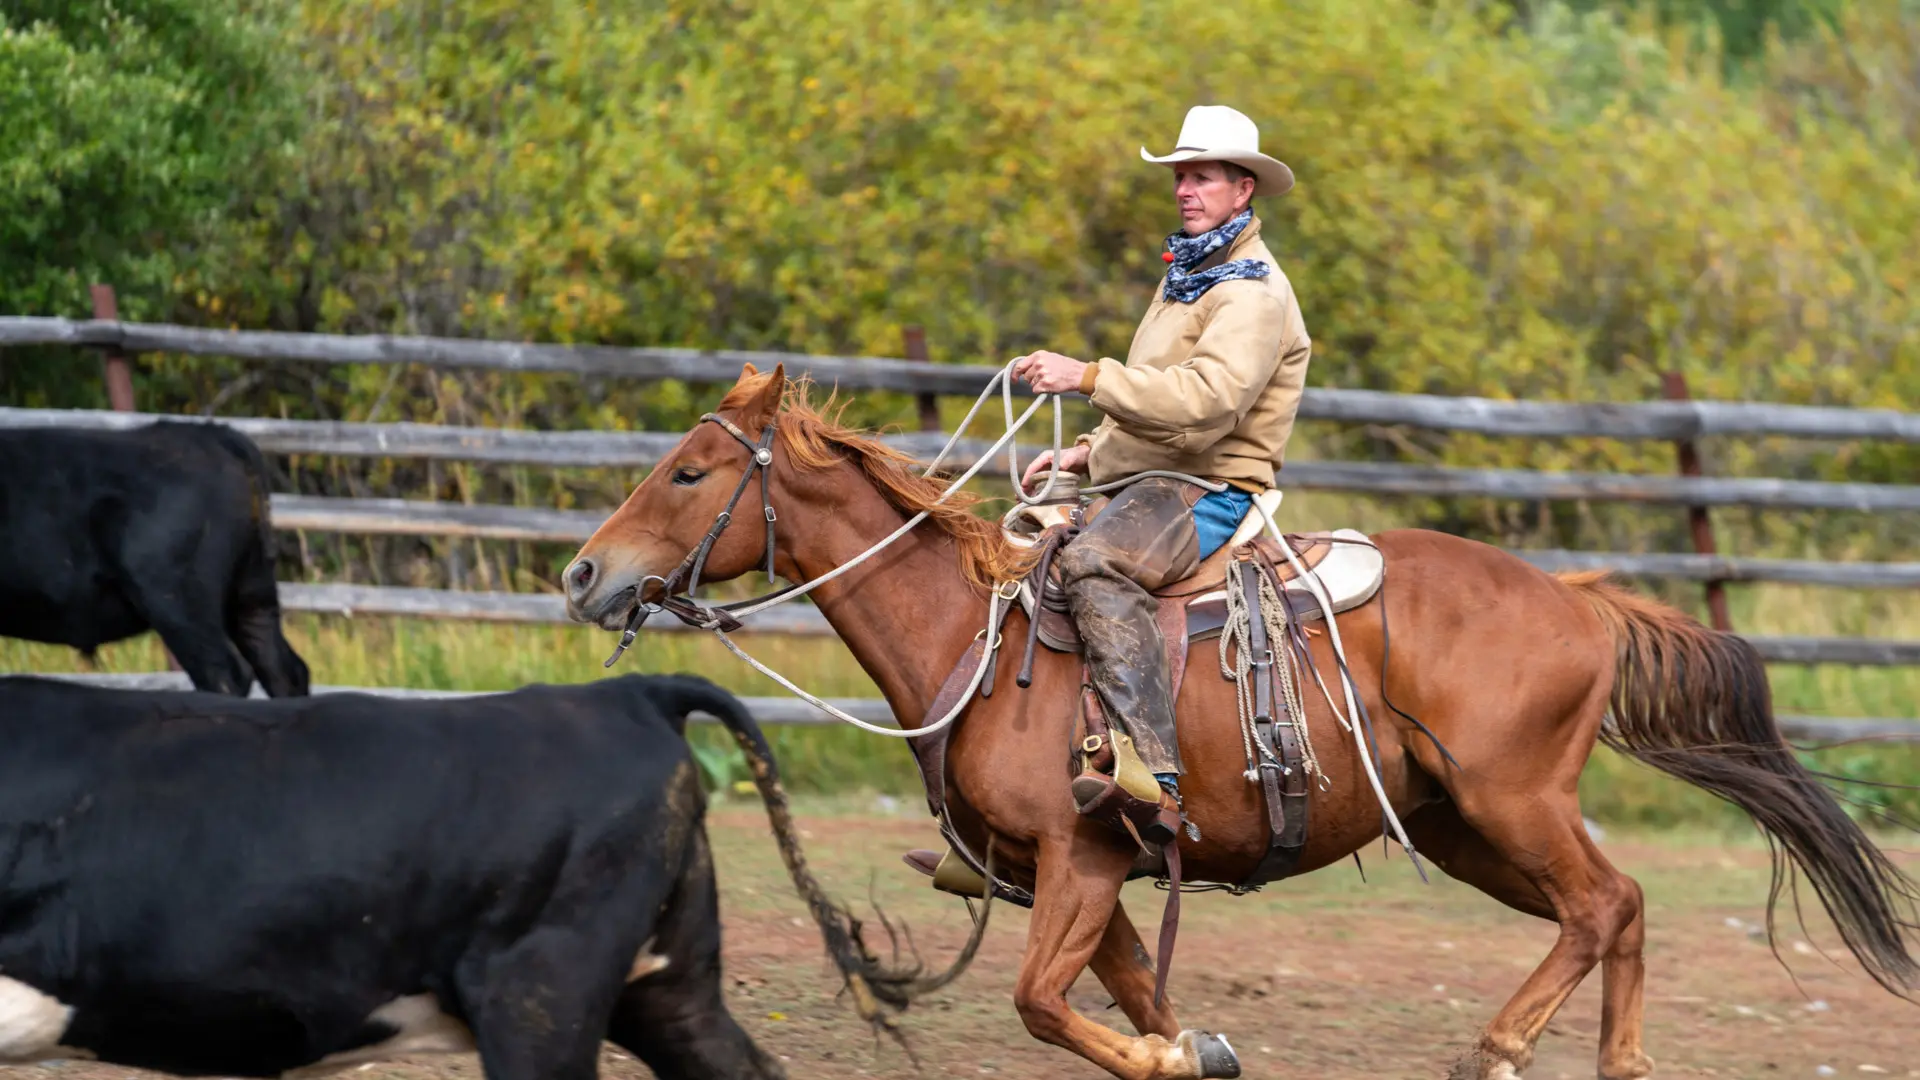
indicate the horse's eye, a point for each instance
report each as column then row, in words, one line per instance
column 688, row 477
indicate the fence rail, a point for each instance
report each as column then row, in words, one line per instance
column 807, row 621
column 415, row 517
column 499, row 446
column 783, row 710
column 1652, row 420
column 643, row 449
column 412, row 517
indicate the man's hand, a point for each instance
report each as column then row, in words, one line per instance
column 1073, row 459
column 1049, row 372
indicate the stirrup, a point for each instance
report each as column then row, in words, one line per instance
column 1129, row 799
column 951, row 875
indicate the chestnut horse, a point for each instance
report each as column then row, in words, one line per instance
column 1514, row 670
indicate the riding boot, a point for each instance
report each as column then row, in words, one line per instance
column 1145, row 539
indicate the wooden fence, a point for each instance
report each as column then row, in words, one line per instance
column 642, row 449
column 1674, row 420
column 789, row 710
column 1666, row 420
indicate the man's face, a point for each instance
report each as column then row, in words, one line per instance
column 1207, row 198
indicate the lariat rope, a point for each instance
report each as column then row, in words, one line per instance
column 995, row 607
column 1003, row 382
column 996, row 604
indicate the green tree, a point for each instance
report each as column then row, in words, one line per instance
column 124, row 127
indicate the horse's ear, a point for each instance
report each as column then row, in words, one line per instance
column 760, row 409
column 748, row 371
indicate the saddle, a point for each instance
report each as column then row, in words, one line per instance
column 1347, row 566
column 1343, row 567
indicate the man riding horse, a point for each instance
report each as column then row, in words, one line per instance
column 1209, row 389
column 1476, row 761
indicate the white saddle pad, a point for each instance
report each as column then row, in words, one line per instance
column 1350, row 575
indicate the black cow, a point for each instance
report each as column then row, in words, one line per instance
column 211, row 885
column 107, row 534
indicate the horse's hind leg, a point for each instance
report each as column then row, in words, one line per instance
column 1125, row 969
column 1443, row 836
column 1623, row 990
column 1076, row 889
column 1532, row 852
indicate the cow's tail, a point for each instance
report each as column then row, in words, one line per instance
column 259, row 481
column 1695, row 704
column 873, row 982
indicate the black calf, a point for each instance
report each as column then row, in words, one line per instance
column 110, row 533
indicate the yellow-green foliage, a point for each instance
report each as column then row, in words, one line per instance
column 1544, row 215
column 1551, row 211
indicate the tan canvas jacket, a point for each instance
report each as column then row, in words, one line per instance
column 1208, row 388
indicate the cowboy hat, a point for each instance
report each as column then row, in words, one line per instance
column 1218, row 133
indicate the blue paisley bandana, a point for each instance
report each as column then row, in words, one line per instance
column 1190, row 251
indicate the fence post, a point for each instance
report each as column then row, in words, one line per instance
column 1673, row 387
column 916, row 348
column 119, row 376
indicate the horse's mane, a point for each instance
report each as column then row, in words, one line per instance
column 814, row 438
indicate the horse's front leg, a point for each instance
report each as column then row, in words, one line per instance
column 1127, row 972
column 1077, row 886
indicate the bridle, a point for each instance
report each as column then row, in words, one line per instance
column 684, row 607
column 762, row 463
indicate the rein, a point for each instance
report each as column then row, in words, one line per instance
column 724, row 618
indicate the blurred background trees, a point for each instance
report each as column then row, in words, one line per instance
column 1537, row 200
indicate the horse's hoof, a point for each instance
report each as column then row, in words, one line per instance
column 1212, row 1053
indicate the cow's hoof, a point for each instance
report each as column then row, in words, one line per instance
column 1212, row 1053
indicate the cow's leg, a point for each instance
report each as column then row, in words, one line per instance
column 177, row 581
column 191, row 627
column 255, row 604
column 674, row 1018
column 538, row 1008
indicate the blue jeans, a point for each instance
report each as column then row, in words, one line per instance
column 1217, row 515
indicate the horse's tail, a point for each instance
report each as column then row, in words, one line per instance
column 1695, row 704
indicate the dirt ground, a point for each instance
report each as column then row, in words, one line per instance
column 1326, row 976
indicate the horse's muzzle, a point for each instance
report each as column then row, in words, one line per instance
column 593, row 597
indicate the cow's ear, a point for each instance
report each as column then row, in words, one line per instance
column 759, row 410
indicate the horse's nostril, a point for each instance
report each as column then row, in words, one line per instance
column 581, row 576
